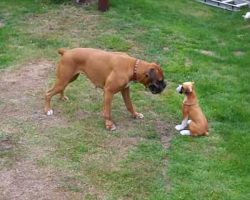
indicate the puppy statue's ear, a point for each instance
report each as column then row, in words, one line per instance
column 190, row 88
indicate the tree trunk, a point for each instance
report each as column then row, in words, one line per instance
column 103, row 5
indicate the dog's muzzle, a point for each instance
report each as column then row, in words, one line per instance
column 179, row 89
column 157, row 87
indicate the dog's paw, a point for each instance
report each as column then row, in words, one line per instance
column 110, row 125
column 179, row 127
column 185, row 132
column 189, row 121
column 49, row 112
column 64, row 98
column 138, row 116
column 113, row 128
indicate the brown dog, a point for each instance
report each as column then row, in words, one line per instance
column 111, row 71
column 192, row 113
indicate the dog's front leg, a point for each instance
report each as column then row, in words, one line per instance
column 183, row 124
column 127, row 100
column 108, row 97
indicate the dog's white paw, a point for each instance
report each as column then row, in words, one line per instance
column 64, row 98
column 139, row 116
column 179, row 127
column 113, row 128
column 49, row 112
column 110, row 126
column 185, row 132
column 189, row 121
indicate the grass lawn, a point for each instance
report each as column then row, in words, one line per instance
column 193, row 42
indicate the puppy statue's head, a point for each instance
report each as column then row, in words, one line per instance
column 154, row 79
column 186, row 88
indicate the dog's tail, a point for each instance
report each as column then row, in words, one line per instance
column 62, row 51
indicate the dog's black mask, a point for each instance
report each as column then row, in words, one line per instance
column 157, row 87
column 181, row 91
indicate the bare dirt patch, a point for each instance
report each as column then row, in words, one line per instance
column 23, row 91
column 27, row 181
column 239, row 53
column 208, row 53
column 21, row 101
column 2, row 24
column 6, row 144
column 67, row 22
column 166, row 132
column 120, row 148
column 188, row 62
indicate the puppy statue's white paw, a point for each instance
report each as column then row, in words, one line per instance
column 138, row 116
column 185, row 132
column 179, row 127
column 49, row 112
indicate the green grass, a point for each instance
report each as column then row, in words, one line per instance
column 176, row 34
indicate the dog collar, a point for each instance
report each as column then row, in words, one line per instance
column 135, row 70
column 190, row 104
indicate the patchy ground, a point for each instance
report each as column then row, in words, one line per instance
column 21, row 103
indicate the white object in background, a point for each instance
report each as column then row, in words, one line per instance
column 246, row 16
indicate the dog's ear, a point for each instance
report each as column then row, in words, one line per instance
column 157, row 64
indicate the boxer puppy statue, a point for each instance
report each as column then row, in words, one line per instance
column 111, row 71
column 192, row 113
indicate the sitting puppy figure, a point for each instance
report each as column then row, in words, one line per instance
column 192, row 113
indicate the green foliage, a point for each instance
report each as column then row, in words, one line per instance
column 114, row 42
column 56, row 1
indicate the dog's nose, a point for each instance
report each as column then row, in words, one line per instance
column 164, row 84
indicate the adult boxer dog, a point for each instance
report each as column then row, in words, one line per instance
column 192, row 113
column 111, row 71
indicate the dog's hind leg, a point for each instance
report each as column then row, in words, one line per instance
column 62, row 96
column 196, row 129
column 59, row 87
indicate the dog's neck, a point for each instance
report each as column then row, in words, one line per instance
column 135, row 68
column 190, row 99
